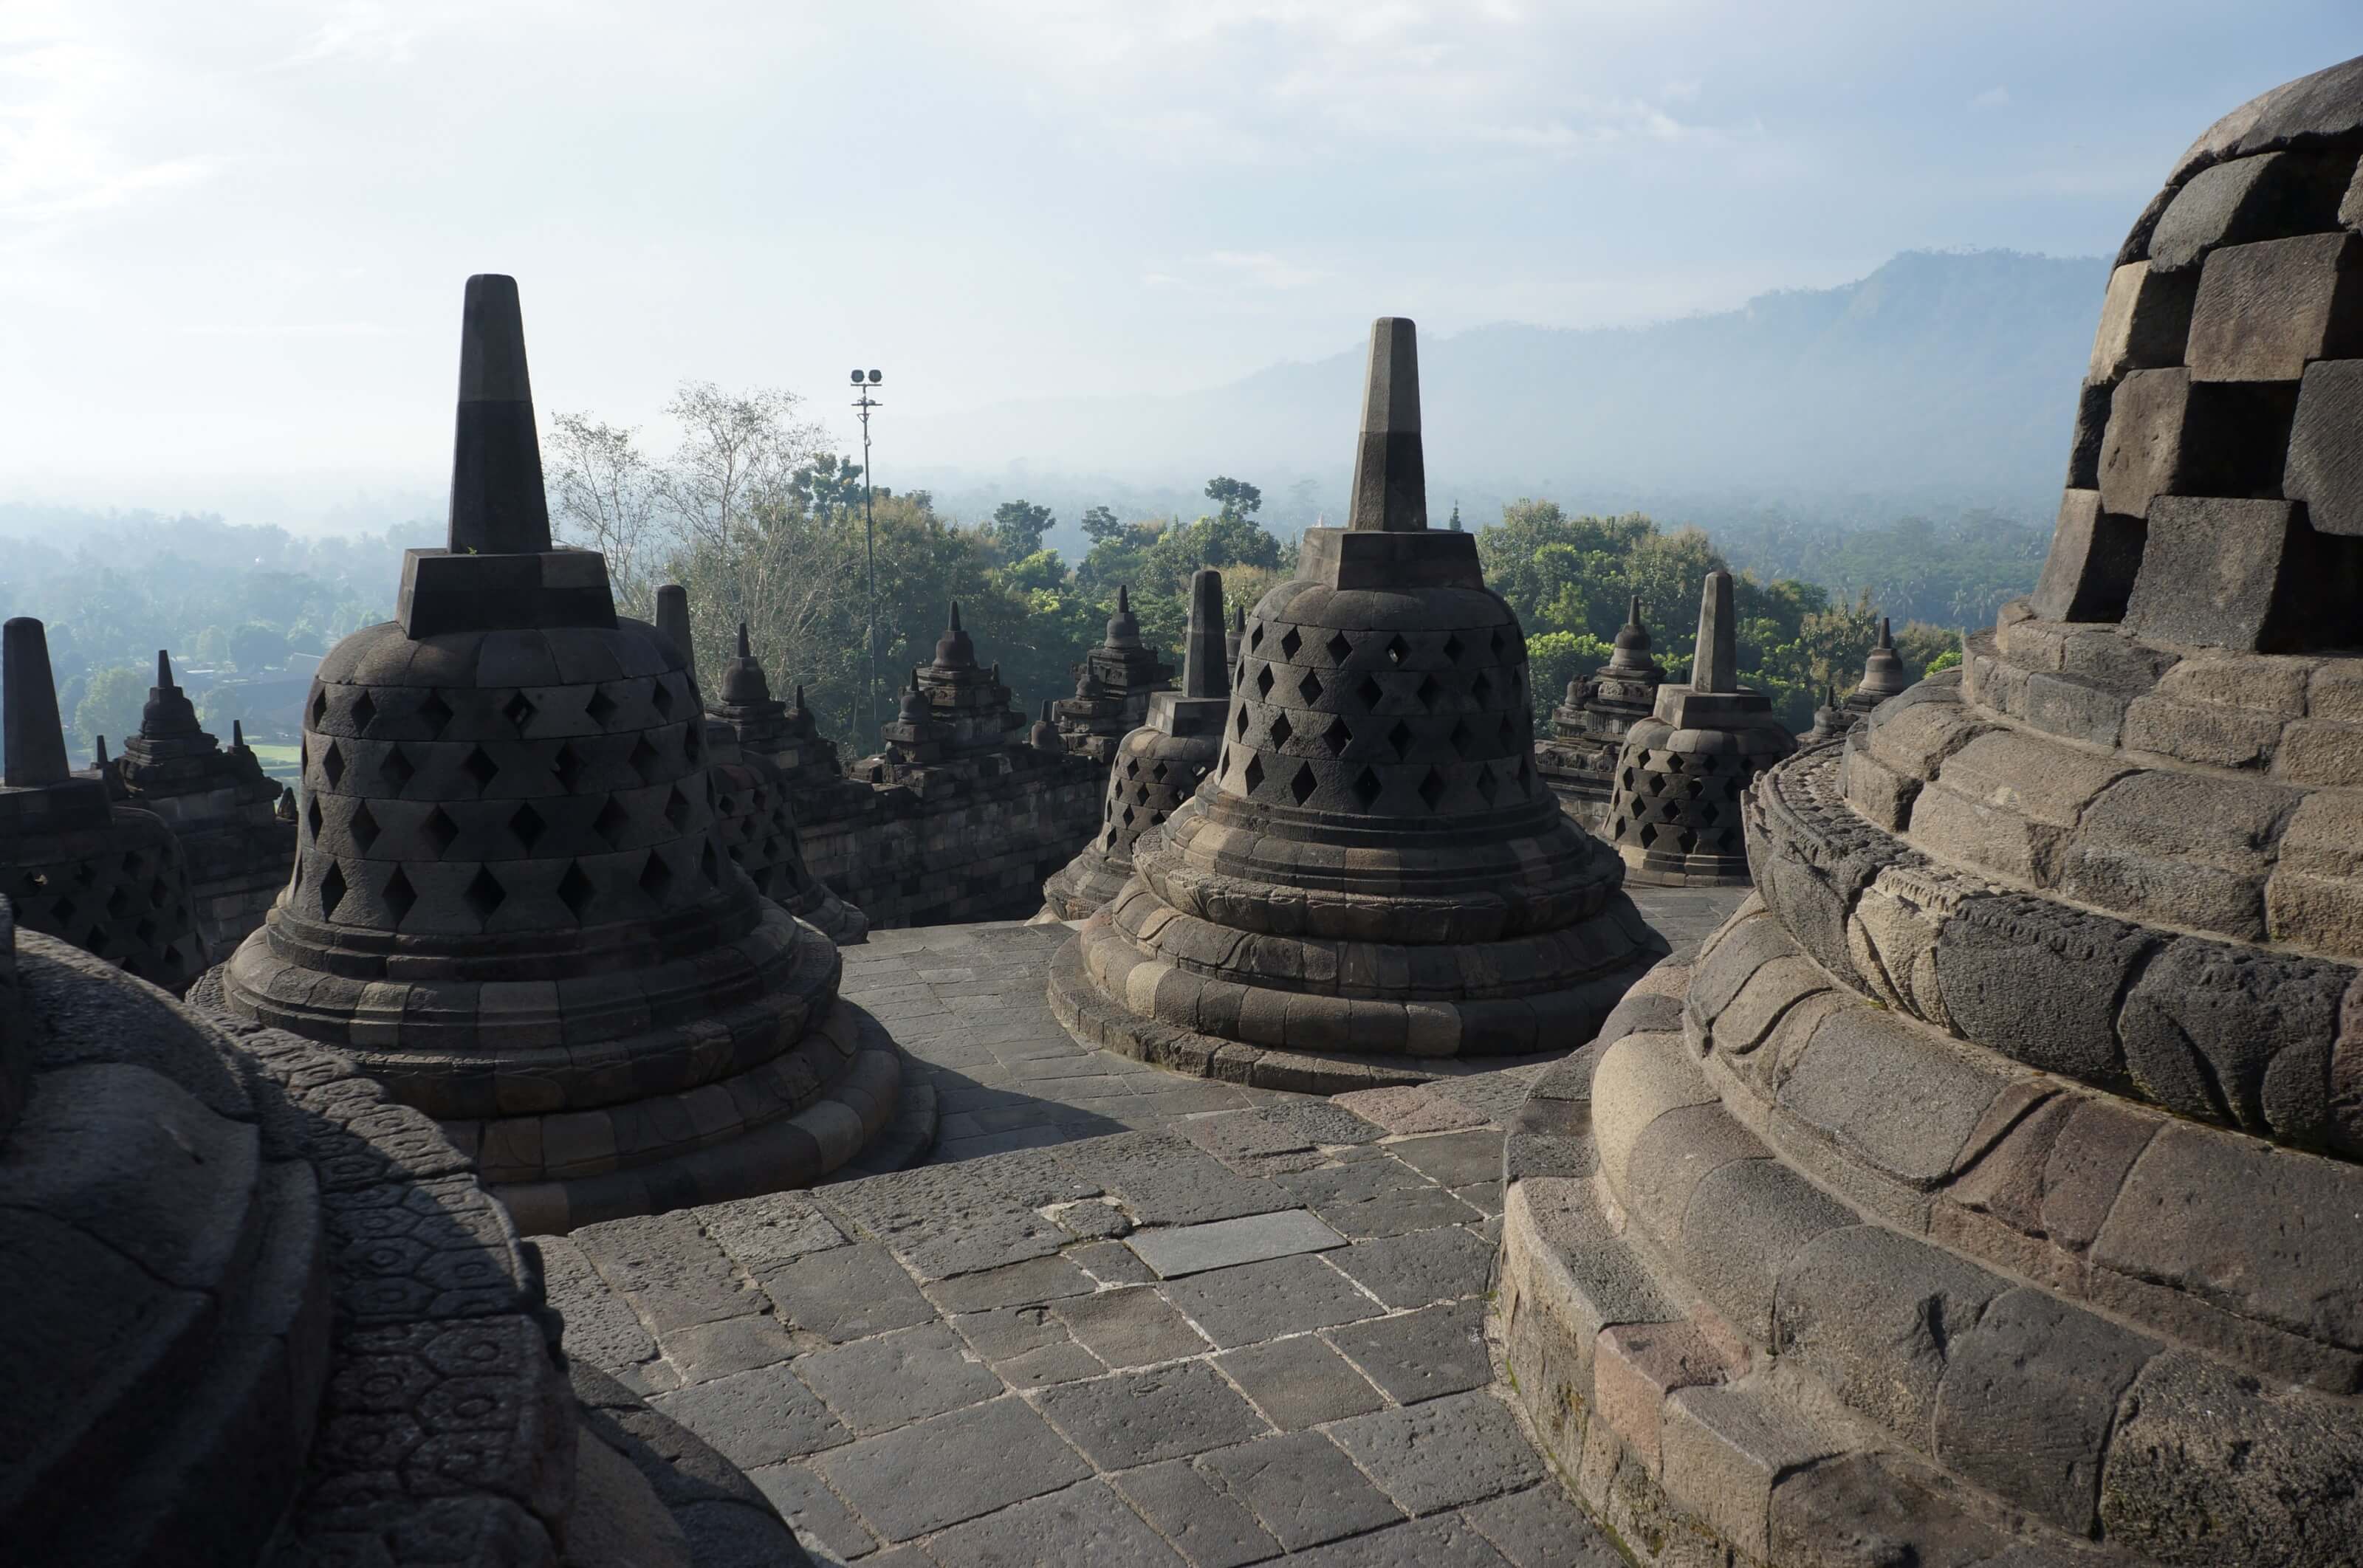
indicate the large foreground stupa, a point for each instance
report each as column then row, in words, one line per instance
column 1990, row 1189
column 509, row 904
column 1374, row 876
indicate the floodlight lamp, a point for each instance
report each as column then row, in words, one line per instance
column 856, row 378
column 877, row 376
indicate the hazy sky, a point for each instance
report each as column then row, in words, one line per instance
column 233, row 234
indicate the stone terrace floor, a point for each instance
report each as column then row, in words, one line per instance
column 1119, row 1317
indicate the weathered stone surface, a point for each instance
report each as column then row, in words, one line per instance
column 1890, row 1094
column 1299, row 1383
column 2038, row 982
column 2267, row 196
column 1635, row 1367
column 1257, row 1301
column 2315, row 897
column 1725, row 1450
column 1746, row 1222
column 2231, row 1035
column 2326, row 470
column 1207, row 1525
column 1194, row 1249
column 1089, row 1521
column 2223, row 572
column 2264, row 310
column 1442, row 1453
column 2207, row 1466
column 1139, row 1417
column 1853, row 1509
column 2179, row 849
column 1302, row 1487
column 1424, row 1354
column 2144, row 320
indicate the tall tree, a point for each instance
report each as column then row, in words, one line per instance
column 603, row 496
column 1019, row 527
column 1235, row 498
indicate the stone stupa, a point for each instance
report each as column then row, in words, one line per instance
column 509, row 904
column 1882, row 676
column 1113, row 686
column 1578, row 757
column 1159, row 766
column 1374, row 876
column 80, row 863
column 1990, row 1189
column 1674, row 813
column 217, row 802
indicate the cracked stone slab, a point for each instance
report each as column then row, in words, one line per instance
column 1259, row 1301
column 951, row 1468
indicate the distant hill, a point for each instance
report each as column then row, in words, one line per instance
column 1943, row 381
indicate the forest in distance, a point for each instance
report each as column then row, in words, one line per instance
column 764, row 524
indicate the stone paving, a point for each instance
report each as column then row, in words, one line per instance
column 1121, row 1317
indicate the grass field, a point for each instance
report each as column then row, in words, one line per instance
column 281, row 762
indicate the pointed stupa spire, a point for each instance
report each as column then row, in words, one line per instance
column 955, row 624
column 164, row 667
column 168, row 710
column 1123, row 599
column 1390, row 470
column 800, row 696
column 1714, row 666
column 237, row 735
column 98, row 751
column 1124, row 626
column 1631, row 655
column 36, row 740
column 1883, row 670
column 743, row 650
column 744, row 684
column 497, row 504
column 1204, row 671
column 955, row 649
column 672, row 621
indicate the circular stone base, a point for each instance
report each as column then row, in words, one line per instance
column 1094, row 1021
column 1649, row 869
column 1077, row 890
column 793, row 1152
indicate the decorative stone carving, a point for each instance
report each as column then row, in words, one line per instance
column 1374, row 871
column 509, row 903
column 1674, row 813
column 1111, row 688
column 1588, row 730
column 1159, row 764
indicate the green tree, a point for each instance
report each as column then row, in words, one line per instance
column 221, row 706
column 1100, row 525
column 1019, row 527
column 828, row 485
column 256, row 646
column 1233, row 499
column 111, row 702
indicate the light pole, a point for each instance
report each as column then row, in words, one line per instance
column 863, row 403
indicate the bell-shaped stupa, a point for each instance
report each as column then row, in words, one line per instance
column 1882, row 674
column 1374, row 876
column 79, row 863
column 1987, row 1191
column 1159, row 766
column 509, row 904
column 1578, row 757
column 1113, row 686
column 1674, row 813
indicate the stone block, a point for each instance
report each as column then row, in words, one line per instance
column 1443, row 1453
column 2228, row 1033
column 2315, row 897
column 1862, row 1509
column 2218, row 736
column 2141, row 456
column 1747, row 1219
column 2028, row 1397
column 2326, row 459
column 2209, row 1466
column 1635, row 1366
column 2266, row 310
column 952, row 1467
column 1674, row 1153
column 889, row 1381
column 2268, row 196
column 1876, row 1316
column 2226, row 573
column 1181, row 1250
column 1422, row 1355
column 1300, row 1382
column 2179, row 848
column 1303, row 1489
column 1640, row 1078
column 2145, row 316
column 1723, row 1450
column 1207, row 1525
column 2319, row 751
column 1890, row 1094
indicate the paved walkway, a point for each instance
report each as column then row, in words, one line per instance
column 1122, row 1318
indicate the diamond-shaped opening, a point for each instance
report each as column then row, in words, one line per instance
column 660, row 698
column 568, row 766
column 364, row 710
column 1368, row 788
column 1339, row 646
column 1399, row 737
column 400, row 895
column 1708, row 763
column 485, row 895
column 1501, row 645
column 1290, row 641
column 1430, row 691
column 364, row 827
column 1707, row 813
column 1255, row 635
column 1526, row 775
column 1648, row 834
column 692, row 741
column 1397, row 650
column 436, row 713
column 1462, row 739
column 312, row 814
column 1304, row 784
column 319, row 705
column 1694, row 788
column 1509, row 733
column 438, row 830
column 526, row 824
column 332, row 763
column 1482, row 688
column 1309, row 689
column 519, row 711
column 1240, row 722
column 611, row 821
column 677, row 808
column 1157, row 772
column 478, row 766
column 145, row 931
column 1673, row 762
column 396, row 768
column 1338, row 738
column 574, row 890
column 158, row 893
column 644, row 759
column 1369, row 691
column 1125, row 816
column 119, row 904
column 1454, row 647
column 708, row 867
column 600, row 708
column 1431, row 789
column 1254, row 774
column 1487, row 786
column 1263, row 681
column 1689, row 841
column 655, row 876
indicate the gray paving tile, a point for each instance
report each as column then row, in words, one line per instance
column 954, row 1467
column 755, row 1418
column 772, row 1231
column 1179, row 1250
column 1485, row 1196
column 1209, row 1526
column 1112, row 1263
column 876, row 1385
column 1260, row 1301
column 668, row 1270
column 1302, row 1486
column 1542, row 1527
column 1130, row 1327
column 708, row 1351
column 1460, row 1449
column 847, row 1293
column 1139, row 1417
column 1424, row 1354
column 822, row 1523
column 1083, row 1524
column 1018, row 1284
column 1420, row 1266
column 1448, row 1541
column 1393, row 1213
column 1300, row 1382
column 1035, row 1137
column 1368, row 1175
column 1453, row 1159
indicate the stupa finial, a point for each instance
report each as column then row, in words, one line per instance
column 1204, row 672
column 1715, row 665
column 497, row 504
column 1390, row 472
column 36, row 740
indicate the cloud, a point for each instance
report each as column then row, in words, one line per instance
column 1991, row 98
column 360, row 30
column 1265, row 271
